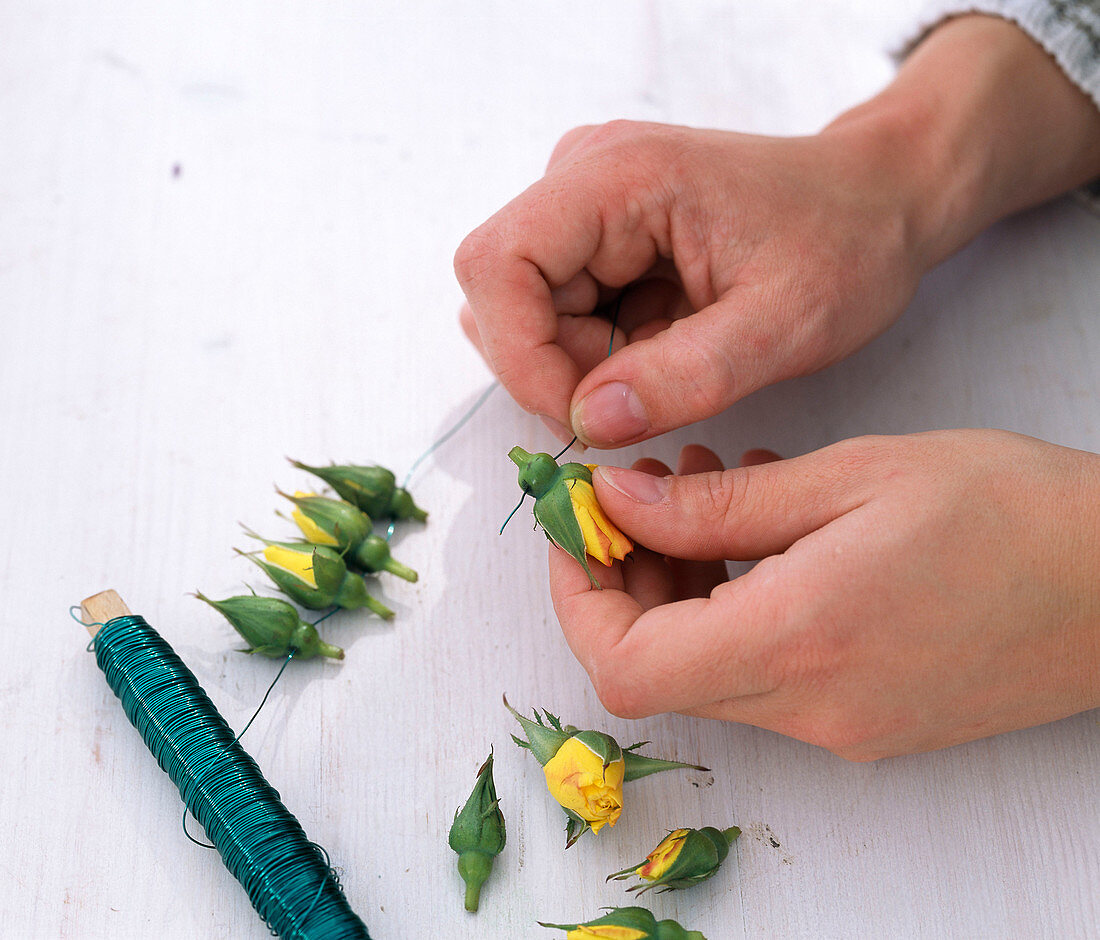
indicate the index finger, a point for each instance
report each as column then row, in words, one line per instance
column 569, row 222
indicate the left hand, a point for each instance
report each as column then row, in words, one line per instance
column 915, row 592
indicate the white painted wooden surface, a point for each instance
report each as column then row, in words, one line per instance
column 170, row 335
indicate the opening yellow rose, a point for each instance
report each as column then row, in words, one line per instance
column 661, row 858
column 606, row 932
column 578, row 780
column 602, row 538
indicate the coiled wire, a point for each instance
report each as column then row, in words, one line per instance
column 288, row 878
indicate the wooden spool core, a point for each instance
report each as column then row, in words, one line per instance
column 99, row 608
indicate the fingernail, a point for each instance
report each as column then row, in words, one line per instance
column 642, row 487
column 610, row 414
column 559, row 430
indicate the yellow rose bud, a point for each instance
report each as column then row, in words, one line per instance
column 567, row 509
column 585, row 771
column 683, row 858
column 299, row 563
column 606, row 932
column 313, row 532
column 627, row 923
column 336, row 523
column 577, row 778
column 315, row 576
column 661, row 858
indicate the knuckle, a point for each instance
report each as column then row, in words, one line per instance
column 620, row 689
column 847, row 739
column 619, row 130
column 703, row 369
column 477, row 252
column 724, row 494
column 860, row 454
column 617, row 697
column 850, row 732
column 838, row 733
column 643, row 141
column 687, row 377
column 856, row 465
column 570, row 140
column 861, row 749
column 721, row 497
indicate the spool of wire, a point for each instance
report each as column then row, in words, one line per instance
column 289, row 879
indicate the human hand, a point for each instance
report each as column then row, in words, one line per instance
column 915, row 592
column 749, row 259
column 752, row 259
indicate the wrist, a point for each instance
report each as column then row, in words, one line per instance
column 979, row 123
column 1087, row 560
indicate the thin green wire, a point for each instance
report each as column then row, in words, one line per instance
column 558, row 455
column 289, row 879
column 455, row 428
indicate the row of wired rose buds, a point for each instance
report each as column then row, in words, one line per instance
column 325, row 568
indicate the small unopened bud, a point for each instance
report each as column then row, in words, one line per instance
column 372, row 489
column 478, row 834
column 271, row 627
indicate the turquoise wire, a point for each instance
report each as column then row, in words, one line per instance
column 289, row 879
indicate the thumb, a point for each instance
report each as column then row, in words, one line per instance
column 741, row 514
column 694, row 369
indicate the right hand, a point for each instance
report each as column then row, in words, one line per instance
column 741, row 260
column 914, row 591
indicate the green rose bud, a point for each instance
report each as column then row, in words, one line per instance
column 272, row 627
column 683, row 858
column 478, row 834
column 339, row 524
column 627, row 923
column 316, row 577
column 372, row 489
column 585, row 770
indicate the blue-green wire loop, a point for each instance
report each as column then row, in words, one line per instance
column 289, row 879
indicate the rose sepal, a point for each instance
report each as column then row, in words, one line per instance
column 543, row 738
column 638, row 765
